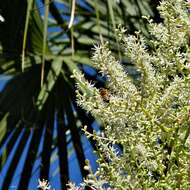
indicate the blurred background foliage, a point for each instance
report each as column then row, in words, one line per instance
column 41, row 42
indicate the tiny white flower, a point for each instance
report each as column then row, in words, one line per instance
column 44, row 185
column 2, row 18
column 150, row 174
column 117, row 1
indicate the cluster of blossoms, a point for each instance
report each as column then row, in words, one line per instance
column 149, row 118
column 44, row 185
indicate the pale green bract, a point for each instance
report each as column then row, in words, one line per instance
column 149, row 119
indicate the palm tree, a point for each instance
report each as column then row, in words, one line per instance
column 38, row 110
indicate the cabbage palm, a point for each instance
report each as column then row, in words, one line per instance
column 40, row 46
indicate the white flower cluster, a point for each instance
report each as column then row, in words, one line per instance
column 44, row 184
column 2, row 18
column 146, row 144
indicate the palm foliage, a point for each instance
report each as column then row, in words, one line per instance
column 40, row 46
